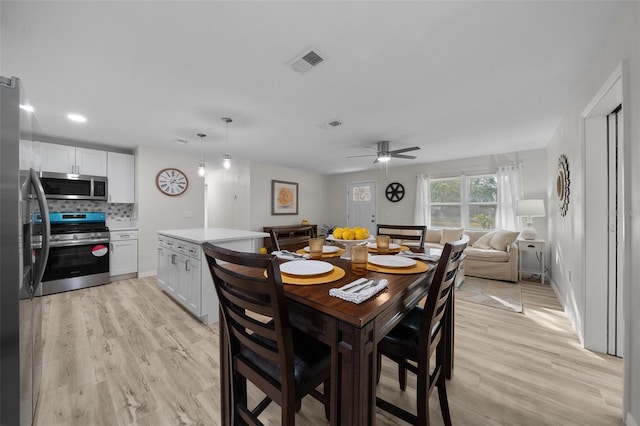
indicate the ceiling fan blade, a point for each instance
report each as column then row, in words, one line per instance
column 398, row 151
column 358, row 156
column 408, row 157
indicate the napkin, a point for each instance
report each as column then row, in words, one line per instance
column 421, row 256
column 286, row 255
column 355, row 293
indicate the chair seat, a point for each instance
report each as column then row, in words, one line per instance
column 311, row 358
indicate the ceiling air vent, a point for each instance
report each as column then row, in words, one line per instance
column 306, row 61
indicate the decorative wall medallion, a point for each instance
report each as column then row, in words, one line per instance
column 394, row 192
column 562, row 184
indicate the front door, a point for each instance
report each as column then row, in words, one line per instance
column 361, row 205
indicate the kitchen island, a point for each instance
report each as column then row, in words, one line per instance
column 182, row 268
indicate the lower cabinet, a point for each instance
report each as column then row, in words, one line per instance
column 123, row 259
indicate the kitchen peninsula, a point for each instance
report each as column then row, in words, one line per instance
column 182, row 268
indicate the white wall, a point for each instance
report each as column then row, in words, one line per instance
column 566, row 234
column 156, row 211
column 314, row 203
column 401, row 212
column 228, row 199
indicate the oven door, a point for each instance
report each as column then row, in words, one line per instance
column 75, row 266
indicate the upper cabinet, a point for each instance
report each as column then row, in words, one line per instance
column 121, row 174
column 70, row 159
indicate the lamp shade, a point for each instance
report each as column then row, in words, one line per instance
column 531, row 208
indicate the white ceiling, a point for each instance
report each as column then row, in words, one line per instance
column 458, row 79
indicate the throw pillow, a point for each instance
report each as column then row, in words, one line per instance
column 502, row 239
column 449, row 235
column 483, row 242
column 433, row 236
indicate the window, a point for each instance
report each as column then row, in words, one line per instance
column 469, row 202
column 361, row 193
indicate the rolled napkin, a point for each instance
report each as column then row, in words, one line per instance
column 287, row 255
column 359, row 290
column 421, row 256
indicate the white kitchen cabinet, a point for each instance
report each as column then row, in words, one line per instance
column 121, row 174
column 70, row 159
column 183, row 272
column 123, row 259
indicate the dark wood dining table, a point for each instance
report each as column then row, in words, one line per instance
column 352, row 331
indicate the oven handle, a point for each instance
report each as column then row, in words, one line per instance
column 70, row 243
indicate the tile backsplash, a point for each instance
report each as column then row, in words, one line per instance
column 114, row 211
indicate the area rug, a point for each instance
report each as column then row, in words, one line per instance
column 497, row 294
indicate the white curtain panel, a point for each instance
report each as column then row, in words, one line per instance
column 422, row 211
column 509, row 192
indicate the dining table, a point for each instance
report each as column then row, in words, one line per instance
column 351, row 330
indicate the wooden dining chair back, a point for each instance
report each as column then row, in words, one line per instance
column 262, row 347
column 296, row 236
column 413, row 235
column 412, row 343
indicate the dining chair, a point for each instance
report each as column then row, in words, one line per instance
column 283, row 363
column 406, row 234
column 296, row 236
column 412, row 343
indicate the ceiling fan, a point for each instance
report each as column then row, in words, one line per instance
column 383, row 154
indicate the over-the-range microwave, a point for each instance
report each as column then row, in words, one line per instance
column 63, row 186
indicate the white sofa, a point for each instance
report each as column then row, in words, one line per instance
column 491, row 254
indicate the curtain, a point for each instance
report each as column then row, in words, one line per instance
column 422, row 212
column 509, row 192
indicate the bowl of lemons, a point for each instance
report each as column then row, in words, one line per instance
column 348, row 237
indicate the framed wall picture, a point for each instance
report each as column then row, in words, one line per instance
column 284, row 197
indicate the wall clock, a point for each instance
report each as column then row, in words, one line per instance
column 562, row 185
column 172, row 182
column 394, row 192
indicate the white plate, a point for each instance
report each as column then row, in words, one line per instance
column 390, row 261
column 331, row 238
column 325, row 249
column 392, row 246
column 306, row 267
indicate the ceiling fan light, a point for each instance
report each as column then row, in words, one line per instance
column 384, row 158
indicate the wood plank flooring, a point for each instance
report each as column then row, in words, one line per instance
column 126, row 354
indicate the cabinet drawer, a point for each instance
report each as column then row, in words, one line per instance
column 125, row 235
column 530, row 246
column 188, row 249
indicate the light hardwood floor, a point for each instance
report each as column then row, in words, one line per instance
column 125, row 354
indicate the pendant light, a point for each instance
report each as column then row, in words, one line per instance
column 226, row 162
column 201, row 168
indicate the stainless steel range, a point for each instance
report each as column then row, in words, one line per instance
column 79, row 254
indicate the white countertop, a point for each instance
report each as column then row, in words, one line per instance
column 200, row 235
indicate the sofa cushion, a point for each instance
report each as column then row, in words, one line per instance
column 474, row 236
column 483, row 241
column 486, row 255
column 433, row 236
column 450, row 234
column 433, row 245
column 503, row 239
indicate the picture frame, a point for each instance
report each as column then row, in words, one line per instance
column 284, row 198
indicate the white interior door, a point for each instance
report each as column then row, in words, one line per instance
column 361, row 205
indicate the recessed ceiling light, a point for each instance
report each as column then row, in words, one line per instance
column 77, row 118
column 27, row 108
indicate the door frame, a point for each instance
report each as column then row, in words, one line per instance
column 612, row 93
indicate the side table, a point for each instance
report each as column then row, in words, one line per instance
column 536, row 246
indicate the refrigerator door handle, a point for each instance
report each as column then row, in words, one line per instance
column 46, row 235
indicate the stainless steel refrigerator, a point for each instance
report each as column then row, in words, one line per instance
column 21, row 262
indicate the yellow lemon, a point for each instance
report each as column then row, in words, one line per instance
column 346, row 228
column 348, row 235
column 337, row 233
column 361, row 234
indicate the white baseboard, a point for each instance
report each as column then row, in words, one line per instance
column 571, row 313
column 630, row 420
column 147, row 274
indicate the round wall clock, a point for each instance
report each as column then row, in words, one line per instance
column 562, row 185
column 172, row 182
column 394, row 192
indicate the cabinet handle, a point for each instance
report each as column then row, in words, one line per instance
column 111, row 245
column 531, row 246
column 173, row 259
column 187, row 265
